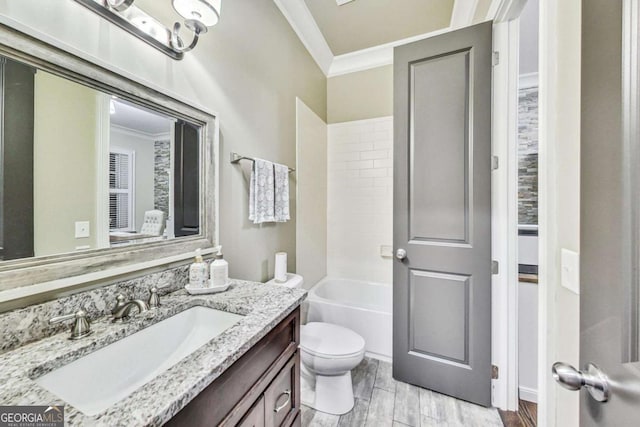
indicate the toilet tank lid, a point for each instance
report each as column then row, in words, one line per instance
column 293, row 281
column 328, row 339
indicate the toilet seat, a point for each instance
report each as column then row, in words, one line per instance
column 329, row 341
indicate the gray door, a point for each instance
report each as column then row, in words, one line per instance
column 442, row 214
column 186, row 188
column 609, row 222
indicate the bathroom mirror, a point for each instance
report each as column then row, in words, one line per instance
column 96, row 171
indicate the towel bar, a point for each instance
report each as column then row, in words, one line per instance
column 235, row 158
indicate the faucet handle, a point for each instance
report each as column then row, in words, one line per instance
column 119, row 304
column 154, row 299
column 81, row 327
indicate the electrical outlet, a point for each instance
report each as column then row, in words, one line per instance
column 82, row 229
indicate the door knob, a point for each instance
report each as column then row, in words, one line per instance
column 595, row 381
column 401, row 254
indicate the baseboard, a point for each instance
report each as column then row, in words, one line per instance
column 378, row 357
column 528, row 394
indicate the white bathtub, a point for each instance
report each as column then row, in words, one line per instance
column 364, row 307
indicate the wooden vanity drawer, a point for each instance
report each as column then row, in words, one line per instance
column 255, row 417
column 281, row 398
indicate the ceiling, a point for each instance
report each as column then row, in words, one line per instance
column 361, row 24
column 139, row 119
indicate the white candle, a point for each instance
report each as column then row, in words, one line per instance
column 281, row 267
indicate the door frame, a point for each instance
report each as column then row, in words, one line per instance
column 505, row 213
column 550, row 32
column 103, row 139
column 506, row 38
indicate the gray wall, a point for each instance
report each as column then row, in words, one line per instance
column 249, row 69
column 529, row 37
column 63, row 195
column 363, row 95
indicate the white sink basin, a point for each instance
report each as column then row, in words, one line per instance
column 95, row 382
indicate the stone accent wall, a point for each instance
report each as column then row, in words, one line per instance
column 161, row 176
column 528, row 156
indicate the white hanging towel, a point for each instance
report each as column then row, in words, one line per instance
column 281, row 210
column 261, row 192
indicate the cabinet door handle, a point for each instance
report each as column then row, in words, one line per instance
column 286, row 402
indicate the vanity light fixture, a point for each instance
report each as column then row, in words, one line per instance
column 198, row 16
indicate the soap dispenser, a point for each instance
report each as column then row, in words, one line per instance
column 219, row 270
column 198, row 272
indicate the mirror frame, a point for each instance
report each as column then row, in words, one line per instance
column 631, row 179
column 30, row 276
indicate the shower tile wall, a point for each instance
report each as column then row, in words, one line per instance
column 360, row 199
column 528, row 156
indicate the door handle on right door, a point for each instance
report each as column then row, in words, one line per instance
column 595, row 381
column 401, row 254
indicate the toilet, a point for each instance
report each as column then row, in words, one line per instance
column 328, row 352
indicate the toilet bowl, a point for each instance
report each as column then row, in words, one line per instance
column 328, row 353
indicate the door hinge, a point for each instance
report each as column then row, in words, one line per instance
column 495, row 163
column 496, row 58
column 495, row 372
column 495, row 267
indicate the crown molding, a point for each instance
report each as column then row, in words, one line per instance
column 162, row 136
column 302, row 22
column 463, row 13
column 505, row 10
column 361, row 60
column 305, row 26
column 373, row 57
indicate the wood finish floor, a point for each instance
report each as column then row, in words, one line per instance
column 383, row 401
column 526, row 416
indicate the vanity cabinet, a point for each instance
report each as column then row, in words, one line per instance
column 255, row 417
column 261, row 389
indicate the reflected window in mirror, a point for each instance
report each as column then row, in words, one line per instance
column 140, row 174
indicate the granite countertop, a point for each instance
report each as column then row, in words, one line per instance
column 153, row 404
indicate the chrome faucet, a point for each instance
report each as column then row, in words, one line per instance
column 81, row 326
column 122, row 310
column 154, row 299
